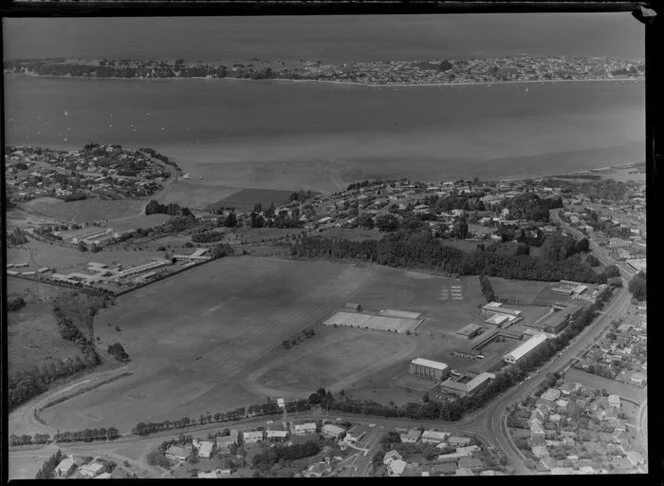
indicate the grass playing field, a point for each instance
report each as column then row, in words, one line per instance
column 211, row 339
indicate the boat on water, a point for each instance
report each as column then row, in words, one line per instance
column 186, row 176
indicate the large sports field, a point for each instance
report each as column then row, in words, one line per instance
column 211, row 339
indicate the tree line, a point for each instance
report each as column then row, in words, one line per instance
column 637, row 286
column 87, row 435
column 172, row 209
column 423, row 251
column 487, row 289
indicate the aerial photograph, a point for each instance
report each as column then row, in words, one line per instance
column 325, row 246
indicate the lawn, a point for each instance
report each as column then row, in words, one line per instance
column 197, row 196
column 33, row 339
column 194, row 349
column 523, row 291
column 247, row 198
column 84, row 211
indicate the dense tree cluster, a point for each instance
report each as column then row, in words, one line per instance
column 487, row 289
column 172, row 209
column 15, row 303
column 529, row 206
column 268, row 458
column 637, row 286
column 118, row 352
column 16, row 237
column 387, row 222
column 47, row 471
column 421, row 250
column 221, row 250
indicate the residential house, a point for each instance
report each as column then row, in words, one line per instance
column 225, row 443
column 252, row 436
column 304, row 429
column 65, row 468
column 411, row 437
column 175, row 453
column 355, row 433
column 276, row 435
column 540, row 451
column 93, row 469
column 433, row 436
column 391, row 456
column 459, row 441
column 464, row 471
column 396, row 467
column 333, row 431
column 550, row 396
column 205, row 449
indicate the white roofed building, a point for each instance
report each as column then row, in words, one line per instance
column 523, row 349
column 429, row 369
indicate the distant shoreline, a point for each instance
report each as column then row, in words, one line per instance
column 328, row 81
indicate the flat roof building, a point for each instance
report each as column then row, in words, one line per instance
column 469, row 331
column 523, row 349
column 464, row 388
column 498, row 307
column 429, row 369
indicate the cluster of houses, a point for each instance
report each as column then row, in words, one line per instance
column 576, row 430
column 621, row 354
column 78, row 467
column 458, row 456
column 275, row 432
column 470, row 70
column 109, row 171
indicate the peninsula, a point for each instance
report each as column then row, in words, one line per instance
column 377, row 73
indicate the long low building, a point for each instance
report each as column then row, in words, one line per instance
column 429, row 369
column 156, row 263
column 463, row 387
column 469, row 331
column 498, row 307
column 523, row 349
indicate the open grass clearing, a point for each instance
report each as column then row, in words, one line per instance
column 84, row 211
column 33, row 339
column 247, row 198
column 195, row 195
column 233, row 317
column 523, row 291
